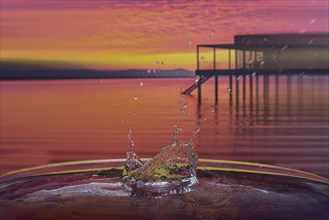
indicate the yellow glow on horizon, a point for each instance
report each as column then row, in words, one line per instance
column 108, row 60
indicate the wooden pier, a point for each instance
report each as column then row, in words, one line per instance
column 278, row 54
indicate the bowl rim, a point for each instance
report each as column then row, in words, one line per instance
column 227, row 166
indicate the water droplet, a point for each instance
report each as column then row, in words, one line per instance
column 229, row 90
column 311, row 41
column 254, row 74
column 149, row 71
column 183, row 109
column 141, row 84
column 197, row 78
column 265, row 39
column 135, row 97
column 312, row 21
column 134, row 113
column 262, row 63
column 123, row 121
column 177, row 129
column 284, row 48
column 212, row 34
column 212, row 109
column 189, row 44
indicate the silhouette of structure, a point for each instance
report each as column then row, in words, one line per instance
column 266, row 54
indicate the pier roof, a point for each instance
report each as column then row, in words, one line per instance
column 257, row 47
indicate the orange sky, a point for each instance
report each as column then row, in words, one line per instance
column 137, row 34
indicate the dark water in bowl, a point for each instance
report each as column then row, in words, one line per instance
column 281, row 120
column 225, row 190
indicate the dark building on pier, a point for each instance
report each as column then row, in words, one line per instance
column 282, row 51
column 264, row 54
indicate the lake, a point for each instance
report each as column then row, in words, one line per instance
column 280, row 120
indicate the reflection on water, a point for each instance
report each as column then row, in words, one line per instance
column 280, row 120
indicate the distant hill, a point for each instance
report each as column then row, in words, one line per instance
column 12, row 71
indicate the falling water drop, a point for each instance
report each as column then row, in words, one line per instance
column 197, row 78
column 177, row 130
column 135, row 97
column 189, row 44
column 141, row 84
column 284, row 48
column 312, row 21
column 183, row 109
column 123, row 121
column 212, row 109
column 311, row 41
column 229, row 90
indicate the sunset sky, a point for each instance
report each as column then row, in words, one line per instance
column 136, row 34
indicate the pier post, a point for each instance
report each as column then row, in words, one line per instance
column 251, row 92
column 229, row 59
column 257, row 96
column 216, row 89
column 236, row 59
column 199, row 91
column 237, row 94
column 244, row 86
column 243, row 59
column 231, row 84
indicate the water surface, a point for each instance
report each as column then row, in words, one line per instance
column 280, row 120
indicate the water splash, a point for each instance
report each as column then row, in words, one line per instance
column 175, row 164
column 132, row 161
